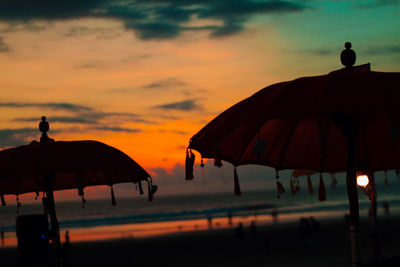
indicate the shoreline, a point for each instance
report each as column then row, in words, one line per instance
column 281, row 244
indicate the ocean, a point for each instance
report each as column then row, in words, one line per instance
column 136, row 217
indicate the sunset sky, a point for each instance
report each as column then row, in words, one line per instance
column 145, row 75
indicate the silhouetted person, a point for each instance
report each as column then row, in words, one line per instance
column 385, row 205
column 2, row 237
column 67, row 244
column 239, row 232
column 229, row 218
column 209, row 220
column 253, row 228
column 274, row 215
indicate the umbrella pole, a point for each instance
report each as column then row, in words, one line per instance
column 55, row 229
column 374, row 234
column 351, row 180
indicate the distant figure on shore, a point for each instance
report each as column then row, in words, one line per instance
column 209, row 220
column 385, row 205
column 239, row 232
column 229, row 218
column 253, row 228
column 2, row 237
column 274, row 215
column 67, row 244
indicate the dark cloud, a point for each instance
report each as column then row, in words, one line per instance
column 378, row 3
column 161, row 19
column 82, row 120
column 117, row 129
column 17, row 137
column 50, row 105
column 3, row 46
column 166, row 83
column 185, row 105
column 383, row 50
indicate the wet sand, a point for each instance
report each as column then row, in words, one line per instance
column 271, row 245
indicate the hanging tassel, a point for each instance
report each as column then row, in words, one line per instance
column 217, row 157
column 82, row 194
column 202, row 172
column 37, row 192
column 333, row 182
column 113, row 202
column 150, row 191
column 238, row 192
column 189, row 163
column 398, row 174
column 3, row 201
column 386, row 179
column 321, row 191
column 309, row 185
column 292, row 190
column 140, row 188
column 18, row 204
column 297, row 185
column 279, row 186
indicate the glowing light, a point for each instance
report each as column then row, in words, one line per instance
column 362, row 180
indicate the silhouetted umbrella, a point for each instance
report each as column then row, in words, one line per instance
column 48, row 165
column 347, row 120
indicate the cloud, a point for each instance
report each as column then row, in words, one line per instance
column 383, row 50
column 378, row 3
column 117, row 129
column 3, row 46
column 17, row 137
column 160, row 19
column 185, row 105
column 166, row 83
column 59, row 119
column 50, row 105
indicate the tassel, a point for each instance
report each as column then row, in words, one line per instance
column 236, row 183
column 189, row 162
column 297, row 185
column 82, row 194
column 37, row 192
column 279, row 186
column 113, row 202
column 321, row 191
column 386, row 181
column 333, row 182
column 3, row 201
column 18, row 204
column 217, row 157
column 140, row 188
column 202, row 172
column 309, row 184
column 398, row 174
column 150, row 191
column 83, row 202
column 292, row 190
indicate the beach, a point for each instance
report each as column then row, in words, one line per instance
column 280, row 244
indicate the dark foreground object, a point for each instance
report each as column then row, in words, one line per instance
column 278, row 245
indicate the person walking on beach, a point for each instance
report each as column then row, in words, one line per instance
column 2, row 237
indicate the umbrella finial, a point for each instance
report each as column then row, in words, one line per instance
column 348, row 56
column 44, row 128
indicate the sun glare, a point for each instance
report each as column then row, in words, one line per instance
column 362, row 180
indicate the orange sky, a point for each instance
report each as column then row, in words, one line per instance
column 148, row 95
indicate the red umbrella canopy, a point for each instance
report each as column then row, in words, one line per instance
column 74, row 164
column 299, row 124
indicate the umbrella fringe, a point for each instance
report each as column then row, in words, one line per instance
column 238, row 192
column 3, row 201
column 309, row 185
column 113, row 202
column 279, row 187
column 140, row 188
column 333, row 182
column 189, row 163
column 292, row 190
column 321, row 191
column 18, row 204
